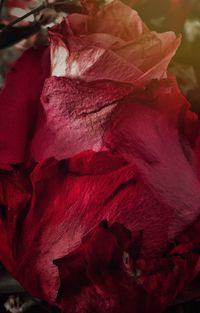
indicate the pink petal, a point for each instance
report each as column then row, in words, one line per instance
column 118, row 19
column 89, row 62
column 76, row 116
column 114, row 44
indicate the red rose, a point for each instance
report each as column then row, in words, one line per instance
column 113, row 226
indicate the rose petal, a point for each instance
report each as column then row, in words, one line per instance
column 19, row 103
column 120, row 48
column 76, row 116
column 90, row 63
column 149, row 132
column 118, row 19
column 60, row 223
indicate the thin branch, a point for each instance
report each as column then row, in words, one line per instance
column 19, row 19
column 32, row 12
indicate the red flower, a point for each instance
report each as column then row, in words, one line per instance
column 94, row 231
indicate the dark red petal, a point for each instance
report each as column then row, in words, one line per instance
column 20, row 103
column 84, row 217
column 149, row 130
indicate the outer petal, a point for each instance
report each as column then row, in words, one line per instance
column 14, row 196
column 149, row 131
column 75, row 116
column 19, row 104
column 63, row 224
column 107, row 285
column 69, row 199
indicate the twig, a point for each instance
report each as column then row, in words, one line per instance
column 19, row 19
column 32, row 12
